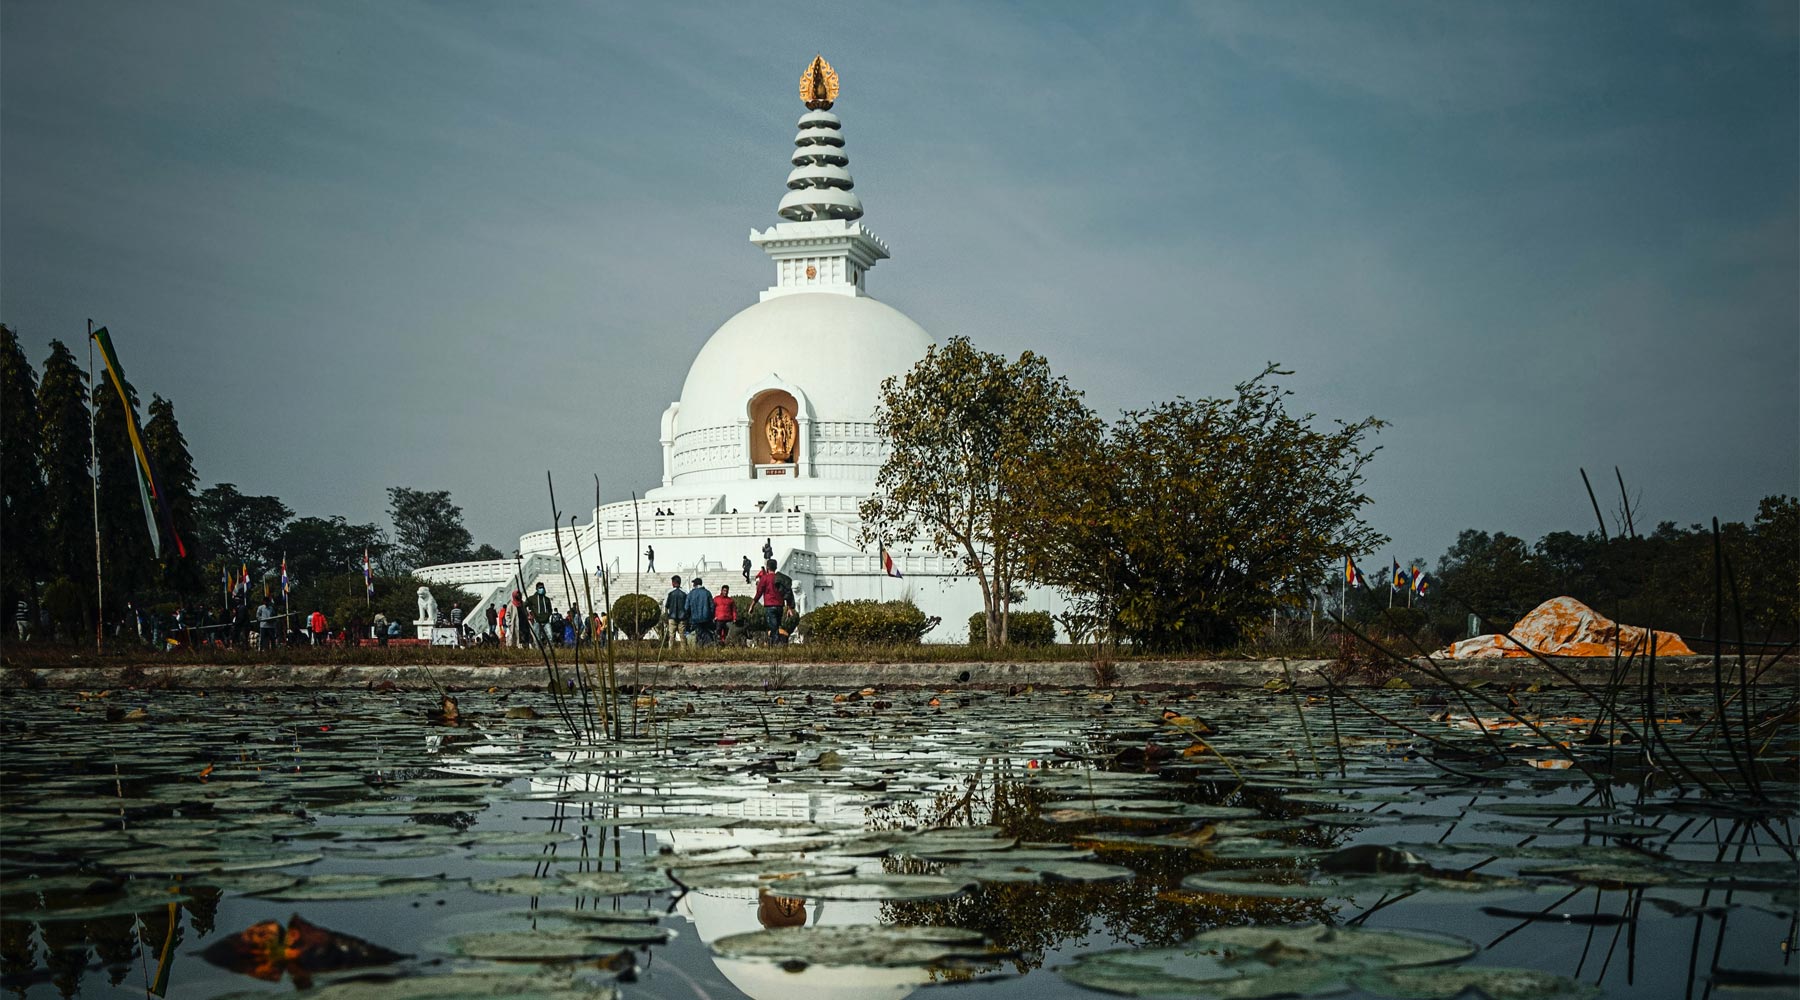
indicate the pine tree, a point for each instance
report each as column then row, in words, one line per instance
column 130, row 564
column 63, row 421
column 22, row 541
column 175, row 474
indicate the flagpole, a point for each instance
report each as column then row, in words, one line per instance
column 94, row 481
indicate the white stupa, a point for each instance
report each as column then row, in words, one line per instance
column 773, row 440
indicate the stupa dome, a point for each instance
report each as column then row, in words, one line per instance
column 834, row 349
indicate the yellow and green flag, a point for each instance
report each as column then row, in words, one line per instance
column 147, row 487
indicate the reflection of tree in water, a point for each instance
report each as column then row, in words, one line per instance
column 115, row 942
column 1150, row 910
column 18, row 953
column 66, row 942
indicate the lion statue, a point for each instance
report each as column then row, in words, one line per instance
column 428, row 609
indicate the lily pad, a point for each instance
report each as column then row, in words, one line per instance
column 856, row 944
column 871, row 887
column 533, row 946
column 1495, row 984
column 1006, row 869
column 322, row 887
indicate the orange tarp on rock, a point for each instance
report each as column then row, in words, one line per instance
column 1563, row 626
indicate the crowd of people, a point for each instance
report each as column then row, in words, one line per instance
column 695, row 615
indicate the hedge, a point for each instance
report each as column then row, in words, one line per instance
column 870, row 622
column 1023, row 628
column 635, row 614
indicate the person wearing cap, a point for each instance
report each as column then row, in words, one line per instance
column 700, row 614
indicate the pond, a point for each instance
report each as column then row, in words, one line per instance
column 874, row 844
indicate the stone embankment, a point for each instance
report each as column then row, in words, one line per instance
column 830, row 676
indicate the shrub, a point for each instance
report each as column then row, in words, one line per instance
column 635, row 614
column 866, row 622
column 1023, row 628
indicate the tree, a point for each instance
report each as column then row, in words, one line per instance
column 1192, row 520
column 1496, row 577
column 316, row 547
column 428, row 528
column 968, row 433
column 1772, row 594
column 22, row 540
column 62, row 405
column 175, row 474
column 236, row 529
column 486, row 552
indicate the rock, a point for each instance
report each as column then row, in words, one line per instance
column 522, row 712
column 1563, row 626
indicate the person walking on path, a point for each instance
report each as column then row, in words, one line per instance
column 493, row 620
column 675, row 610
column 768, row 595
column 700, row 611
column 22, row 619
column 725, row 618
column 516, row 618
column 265, row 625
column 540, row 610
column 768, row 549
column 316, row 626
column 381, row 630
column 649, row 558
column 746, row 569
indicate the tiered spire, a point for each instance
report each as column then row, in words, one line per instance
column 819, row 185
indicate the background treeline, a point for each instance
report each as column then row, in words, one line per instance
column 1221, row 524
column 47, row 517
column 1662, row 578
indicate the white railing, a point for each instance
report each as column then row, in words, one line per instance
column 465, row 573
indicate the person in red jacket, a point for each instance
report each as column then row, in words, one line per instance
column 769, row 596
column 316, row 625
column 725, row 619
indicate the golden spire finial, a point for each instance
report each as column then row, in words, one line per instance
column 819, row 84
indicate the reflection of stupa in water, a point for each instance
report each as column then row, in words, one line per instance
column 774, row 813
column 773, row 441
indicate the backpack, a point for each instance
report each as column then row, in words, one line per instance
column 784, row 585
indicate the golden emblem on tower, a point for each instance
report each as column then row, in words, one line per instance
column 819, row 84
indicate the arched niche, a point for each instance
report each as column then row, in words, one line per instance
column 762, row 410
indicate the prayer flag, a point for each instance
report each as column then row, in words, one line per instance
column 1400, row 580
column 887, row 564
column 1353, row 576
column 147, row 486
column 1420, row 582
column 368, row 579
column 284, row 579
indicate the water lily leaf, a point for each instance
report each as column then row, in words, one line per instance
column 876, row 886
column 322, row 887
column 471, row 985
column 1371, row 948
column 1492, row 983
column 136, row 897
column 598, row 916
column 1007, row 869
column 533, row 946
column 856, row 944
column 754, row 871
column 1189, row 971
column 1543, row 810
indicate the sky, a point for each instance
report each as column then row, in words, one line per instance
column 454, row 245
